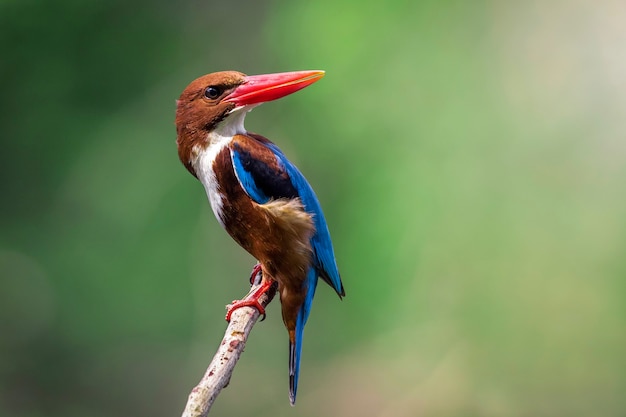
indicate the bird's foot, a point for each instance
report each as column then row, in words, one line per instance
column 251, row 300
column 256, row 275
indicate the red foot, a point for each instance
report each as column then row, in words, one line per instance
column 251, row 300
column 255, row 271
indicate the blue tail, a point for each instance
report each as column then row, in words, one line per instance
column 295, row 349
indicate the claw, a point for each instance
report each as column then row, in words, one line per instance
column 244, row 303
column 255, row 272
column 251, row 300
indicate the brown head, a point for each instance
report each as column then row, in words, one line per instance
column 200, row 108
column 206, row 103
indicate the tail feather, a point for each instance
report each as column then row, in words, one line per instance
column 295, row 345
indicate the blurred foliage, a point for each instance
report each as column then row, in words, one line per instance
column 470, row 157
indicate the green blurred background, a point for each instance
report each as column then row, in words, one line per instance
column 470, row 158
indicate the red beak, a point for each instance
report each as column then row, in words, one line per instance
column 258, row 89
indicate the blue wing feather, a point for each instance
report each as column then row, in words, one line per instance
column 322, row 246
column 254, row 180
column 246, row 179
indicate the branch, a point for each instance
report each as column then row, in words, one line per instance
column 221, row 368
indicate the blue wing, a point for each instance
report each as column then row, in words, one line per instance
column 263, row 181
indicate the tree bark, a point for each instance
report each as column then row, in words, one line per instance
column 220, row 370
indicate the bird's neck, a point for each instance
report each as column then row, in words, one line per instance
column 229, row 127
column 206, row 153
column 193, row 142
column 217, row 139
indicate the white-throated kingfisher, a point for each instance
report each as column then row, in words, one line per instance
column 257, row 195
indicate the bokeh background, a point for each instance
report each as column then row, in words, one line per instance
column 470, row 157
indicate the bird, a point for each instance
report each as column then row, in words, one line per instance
column 259, row 197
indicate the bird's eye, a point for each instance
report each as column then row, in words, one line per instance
column 212, row 92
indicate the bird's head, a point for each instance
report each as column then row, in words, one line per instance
column 218, row 102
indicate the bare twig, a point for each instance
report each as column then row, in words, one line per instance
column 221, row 368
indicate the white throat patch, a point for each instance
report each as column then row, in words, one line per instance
column 218, row 139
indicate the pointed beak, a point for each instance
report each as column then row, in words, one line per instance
column 257, row 89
